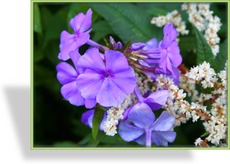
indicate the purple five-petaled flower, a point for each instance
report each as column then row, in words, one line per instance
column 70, row 42
column 140, row 126
column 138, row 122
column 107, row 78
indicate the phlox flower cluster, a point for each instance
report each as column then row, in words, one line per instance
column 130, row 82
column 117, row 79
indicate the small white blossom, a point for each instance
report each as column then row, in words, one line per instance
column 198, row 141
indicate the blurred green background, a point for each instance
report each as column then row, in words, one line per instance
column 56, row 122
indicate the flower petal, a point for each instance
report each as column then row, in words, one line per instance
column 141, row 140
column 129, row 132
column 157, row 99
column 116, row 61
column 170, row 35
column 87, row 22
column 174, row 54
column 82, row 39
column 74, row 55
column 153, row 43
column 141, row 116
column 67, row 45
column 164, row 122
column 86, row 116
column 65, row 73
column 169, row 136
column 89, row 83
column 90, row 103
column 158, row 139
column 76, row 22
column 125, row 80
column 91, row 60
column 110, row 94
column 71, row 93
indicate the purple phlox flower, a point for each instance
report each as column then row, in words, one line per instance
column 170, row 52
column 107, row 80
column 141, row 127
column 153, row 100
column 70, row 42
column 115, row 45
column 164, row 56
column 67, row 75
column 87, row 119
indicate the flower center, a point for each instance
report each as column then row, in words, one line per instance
column 76, row 36
column 107, row 74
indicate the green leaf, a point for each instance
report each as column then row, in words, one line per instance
column 97, row 118
column 204, row 52
column 128, row 21
column 77, row 8
column 222, row 56
column 38, row 54
column 53, row 24
column 37, row 19
column 101, row 29
column 157, row 9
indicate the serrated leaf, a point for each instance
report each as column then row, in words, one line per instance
column 222, row 56
column 37, row 19
column 97, row 118
column 128, row 21
column 204, row 52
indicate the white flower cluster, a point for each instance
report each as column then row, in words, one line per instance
column 203, row 73
column 217, row 125
column 190, row 88
column 143, row 83
column 173, row 17
column 215, row 119
column 175, row 104
column 114, row 114
column 201, row 17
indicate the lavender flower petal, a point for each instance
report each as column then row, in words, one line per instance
column 89, row 84
column 174, row 54
column 110, row 94
column 158, row 139
column 129, row 132
column 116, row 61
column 91, row 60
column 170, row 35
column 157, row 99
column 164, row 122
column 141, row 116
column 151, row 44
column 71, row 93
column 90, row 103
column 65, row 73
